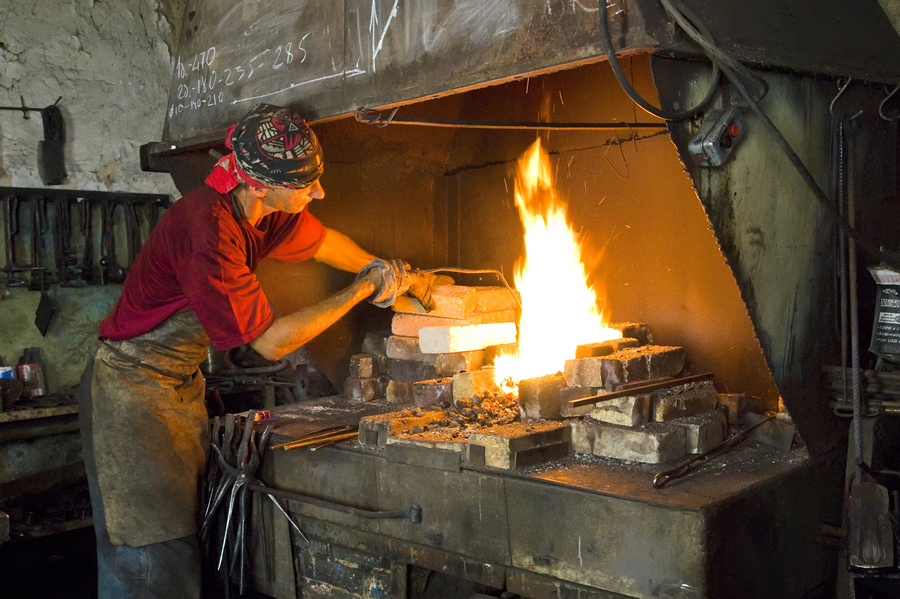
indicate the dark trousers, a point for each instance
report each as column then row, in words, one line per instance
column 168, row 570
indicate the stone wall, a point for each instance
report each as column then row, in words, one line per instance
column 111, row 63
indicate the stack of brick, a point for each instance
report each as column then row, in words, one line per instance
column 653, row 427
column 435, row 357
column 599, row 368
column 368, row 378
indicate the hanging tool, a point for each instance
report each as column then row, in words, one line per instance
column 10, row 230
column 51, row 150
column 235, row 467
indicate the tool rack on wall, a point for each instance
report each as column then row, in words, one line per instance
column 74, row 238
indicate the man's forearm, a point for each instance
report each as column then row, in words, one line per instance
column 287, row 333
column 341, row 252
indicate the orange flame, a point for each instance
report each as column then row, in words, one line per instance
column 559, row 309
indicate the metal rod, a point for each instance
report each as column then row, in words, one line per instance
column 663, row 478
column 520, row 125
column 323, row 440
column 316, row 435
column 414, row 512
column 374, row 117
column 858, row 404
column 584, row 401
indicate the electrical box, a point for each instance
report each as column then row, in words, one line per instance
column 718, row 136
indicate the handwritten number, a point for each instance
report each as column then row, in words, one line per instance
column 287, row 51
column 276, row 64
column 241, row 71
column 228, row 80
column 210, row 55
column 299, row 47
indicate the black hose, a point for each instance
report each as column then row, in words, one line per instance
column 831, row 211
column 626, row 85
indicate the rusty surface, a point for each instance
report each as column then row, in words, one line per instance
column 608, row 532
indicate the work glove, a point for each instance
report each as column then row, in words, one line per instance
column 391, row 278
column 421, row 285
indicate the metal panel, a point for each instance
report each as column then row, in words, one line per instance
column 579, row 523
column 628, row 547
column 776, row 237
column 328, row 58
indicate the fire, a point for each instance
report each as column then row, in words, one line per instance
column 559, row 309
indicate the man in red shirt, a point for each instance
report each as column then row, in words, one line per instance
column 143, row 417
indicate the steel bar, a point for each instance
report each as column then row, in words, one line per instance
column 317, row 434
column 584, row 401
column 414, row 512
column 321, row 440
column 663, row 478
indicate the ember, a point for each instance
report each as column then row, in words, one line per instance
column 468, row 415
column 560, row 311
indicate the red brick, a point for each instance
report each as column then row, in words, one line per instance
column 567, row 394
column 407, row 371
column 436, row 392
column 360, row 389
column 635, row 330
column 539, row 397
column 604, row 348
column 703, row 431
column 362, row 366
column 399, row 392
column 451, row 301
column 737, row 405
column 684, row 400
column 453, row 339
column 409, row 325
column 407, row 348
column 633, row 410
column 652, row 443
column 493, row 299
column 473, row 384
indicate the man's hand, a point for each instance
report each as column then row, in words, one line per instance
column 391, row 279
column 421, row 285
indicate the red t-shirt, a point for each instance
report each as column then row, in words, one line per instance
column 196, row 258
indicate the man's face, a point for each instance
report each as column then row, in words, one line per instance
column 292, row 200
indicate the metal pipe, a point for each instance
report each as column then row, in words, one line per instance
column 374, row 117
column 858, row 404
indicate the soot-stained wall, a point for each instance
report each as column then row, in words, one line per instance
column 443, row 197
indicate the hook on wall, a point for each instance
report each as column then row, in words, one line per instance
column 883, row 102
column 842, row 87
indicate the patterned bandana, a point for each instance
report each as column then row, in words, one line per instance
column 272, row 147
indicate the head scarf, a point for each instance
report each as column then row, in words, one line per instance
column 273, row 147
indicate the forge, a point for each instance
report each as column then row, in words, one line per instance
column 718, row 265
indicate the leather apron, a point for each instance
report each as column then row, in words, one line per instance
column 150, row 431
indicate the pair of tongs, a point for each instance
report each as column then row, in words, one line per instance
column 663, row 478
